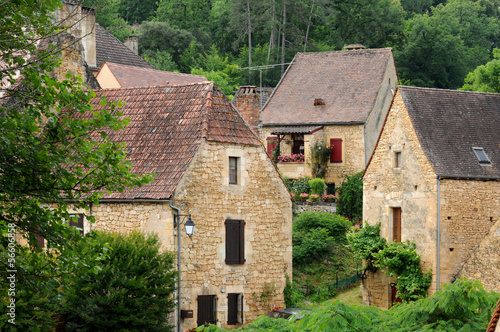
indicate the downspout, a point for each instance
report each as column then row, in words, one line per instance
column 438, row 258
column 364, row 143
column 177, row 210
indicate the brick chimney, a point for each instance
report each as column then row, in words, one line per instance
column 247, row 101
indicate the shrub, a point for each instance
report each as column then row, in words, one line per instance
column 318, row 186
column 320, row 155
column 132, row 291
column 336, row 225
column 350, row 197
column 301, row 185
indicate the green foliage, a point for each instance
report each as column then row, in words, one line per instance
column 317, row 186
column 462, row 306
column 485, row 78
column 366, row 242
column 319, row 157
column 401, row 259
column 300, row 185
column 131, row 291
column 161, row 60
column 350, row 197
column 315, row 235
column 291, row 293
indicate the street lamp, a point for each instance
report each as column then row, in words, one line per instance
column 189, row 226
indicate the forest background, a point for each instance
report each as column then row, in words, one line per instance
column 436, row 43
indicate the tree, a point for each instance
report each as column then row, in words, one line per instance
column 485, row 78
column 350, row 197
column 133, row 289
column 54, row 156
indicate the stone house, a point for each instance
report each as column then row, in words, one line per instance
column 339, row 98
column 210, row 165
column 434, row 179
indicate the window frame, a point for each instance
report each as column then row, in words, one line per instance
column 233, row 170
column 235, row 241
column 484, row 159
column 79, row 224
column 334, row 149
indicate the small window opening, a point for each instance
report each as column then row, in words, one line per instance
column 233, row 170
column 319, row 102
column 374, row 187
column 397, row 159
column 416, row 187
column 481, row 156
column 449, row 218
column 451, row 249
column 491, row 219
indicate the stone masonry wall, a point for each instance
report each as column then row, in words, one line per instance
column 260, row 199
column 353, row 152
column 412, row 187
column 470, row 213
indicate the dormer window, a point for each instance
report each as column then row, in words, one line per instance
column 319, row 102
column 481, row 156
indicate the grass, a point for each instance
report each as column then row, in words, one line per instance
column 350, row 296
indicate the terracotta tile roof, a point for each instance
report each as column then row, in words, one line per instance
column 167, row 126
column 449, row 123
column 135, row 77
column 494, row 326
column 347, row 81
column 295, row 130
column 109, row 48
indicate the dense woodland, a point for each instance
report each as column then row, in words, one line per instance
column 436, row 43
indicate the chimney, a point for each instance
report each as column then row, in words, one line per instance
column 88, row 36
column 247, row 101
column 353, row 47
column 132, row 42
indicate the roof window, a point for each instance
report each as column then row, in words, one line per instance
column 481, row 156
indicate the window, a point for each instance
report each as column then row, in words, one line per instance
column 233, row 170
column 271, row 144
column 76, row 220
column 397, row 159
column 207, row 310
column 298, row 143
column 336, row 146
column 234, row 308
column 235, row 242
column 481, row 156
column 41, row 240
column 396, row 224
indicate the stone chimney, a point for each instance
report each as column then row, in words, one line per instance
column 88, row 35
column 132, row 42
column 247, row 101
column 353, row 47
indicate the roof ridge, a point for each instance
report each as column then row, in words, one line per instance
column 446, row 90
column 208, row 105
column 149, row 69
column 157, row 86
column 369, row 50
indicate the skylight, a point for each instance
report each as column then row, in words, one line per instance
column 481, row 156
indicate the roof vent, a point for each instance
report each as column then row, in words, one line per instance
column 319, row 102
column 481, row 156
column 354, row 47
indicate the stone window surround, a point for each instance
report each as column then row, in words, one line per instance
column 395, row 150
column 327, row 141
column 241, row 167
column 389, row 212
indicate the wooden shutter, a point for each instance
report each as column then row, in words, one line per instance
column 41, row 240
column 271, row 144
column 78, row 223
column 232, row 309
column 396, row 224
column 394, row 295
column 235, row 241
column 336, row 146
column 206, row 309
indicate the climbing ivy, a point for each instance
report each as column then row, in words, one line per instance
column 319, row 157
column 399, row 259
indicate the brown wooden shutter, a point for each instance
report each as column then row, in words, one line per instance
column 41, row 240
column 336, row 146
column 206, row 309
column 396, row 224
column 271, row 144
column 235, row 241
column 232, row 308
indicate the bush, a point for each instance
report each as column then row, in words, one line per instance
column 317, row 186
column 337, row 226
column 301, row 185
column 132, row 291
column 319, row 157
column 350, row 197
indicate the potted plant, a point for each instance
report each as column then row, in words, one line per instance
column 329, row 198
column 304, row 196
column 313, row 197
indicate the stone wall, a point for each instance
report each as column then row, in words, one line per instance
column 260, row 199
column 470, row 213
column 353, row 152
column 300, row 207
column 411, row 187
